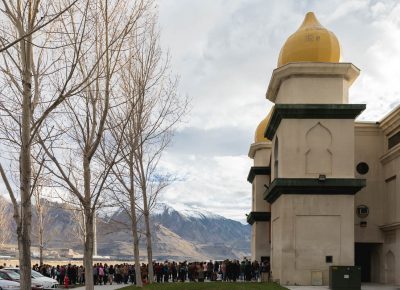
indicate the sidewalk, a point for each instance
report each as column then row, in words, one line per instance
column 104, row 287
column 363, row 287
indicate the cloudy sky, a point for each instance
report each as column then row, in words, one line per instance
column 225, row 51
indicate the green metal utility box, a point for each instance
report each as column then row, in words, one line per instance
column 345, row 277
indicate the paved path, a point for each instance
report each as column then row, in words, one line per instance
column 363, row 287
column 104, row 287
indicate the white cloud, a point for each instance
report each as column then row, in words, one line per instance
column 215, row 183
column 225, row 52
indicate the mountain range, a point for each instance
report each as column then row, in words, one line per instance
column 188, row 234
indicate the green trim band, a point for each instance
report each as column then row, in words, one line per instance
column 329, row 186
column 258, row 216
column 258, row 170
column 311, row 111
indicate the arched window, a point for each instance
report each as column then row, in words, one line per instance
column 276, row 158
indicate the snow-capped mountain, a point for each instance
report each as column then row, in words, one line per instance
column 207, row 229
column 187, row 212
column 190, row 233
column 184, row 234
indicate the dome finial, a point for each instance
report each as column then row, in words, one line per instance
column 259, row 134
column 310, row 43
column 310, row 20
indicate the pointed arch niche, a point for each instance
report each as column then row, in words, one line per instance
column 276, row 157
column 390, row 267
column 318, row 154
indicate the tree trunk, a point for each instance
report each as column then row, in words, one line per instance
column 25, row 221
column 136, row 247
column 134, row 224
column 94, row 235
column 88, row 250
column 89, row 222
column 41, row 248
column 41, row 237
column 146, row 214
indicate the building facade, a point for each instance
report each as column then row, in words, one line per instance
column 325, row 189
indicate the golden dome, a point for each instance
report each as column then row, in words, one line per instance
column 311, row 42
column 259, row 135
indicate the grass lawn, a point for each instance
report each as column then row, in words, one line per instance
column 210, row 286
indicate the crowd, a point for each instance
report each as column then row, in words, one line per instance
column 227, row 270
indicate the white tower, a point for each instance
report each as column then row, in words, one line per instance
column 312, row 160
column 259, row 177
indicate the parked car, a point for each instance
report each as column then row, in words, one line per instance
column 14, row 276
column 9, row 285
column 39, row 279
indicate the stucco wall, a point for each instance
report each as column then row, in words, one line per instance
column 261, row 246
column 310, row 147
column 313, row 90
column 368, row 149
column 306, row 229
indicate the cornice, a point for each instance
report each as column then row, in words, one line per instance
column 347, row 71
column 311, row 111
column 258, row 170
column 313, row 186
column 258, row 216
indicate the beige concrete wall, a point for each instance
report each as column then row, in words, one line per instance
column 390, row 255
column 260, row 246
column 391, row 185
column 390, row 161
column 276, row 242
column 310, row 147
column 305, row 229
column 313, row 90
column 389, row 258
column 312, row 83
column 262, row 156
column 396, row 249
column 259, row 204
column 368, row 149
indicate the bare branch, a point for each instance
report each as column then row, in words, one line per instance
column 37, row 28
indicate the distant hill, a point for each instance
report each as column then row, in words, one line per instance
column 190, row 234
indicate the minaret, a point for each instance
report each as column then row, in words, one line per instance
column 259, row 176
column 312, row 168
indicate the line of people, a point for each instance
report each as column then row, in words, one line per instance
column 164, row 272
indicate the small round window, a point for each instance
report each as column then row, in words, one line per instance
column 362, row 168
column 362, row 211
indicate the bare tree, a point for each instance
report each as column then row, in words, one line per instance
column 5, row 222
column 78, row 227
column 26, row 68
column 39, row 25
column 43, row 235
column 152, row 109
column 42, row 206
column 122, row 185
column 156, row 110
column 79, row 129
